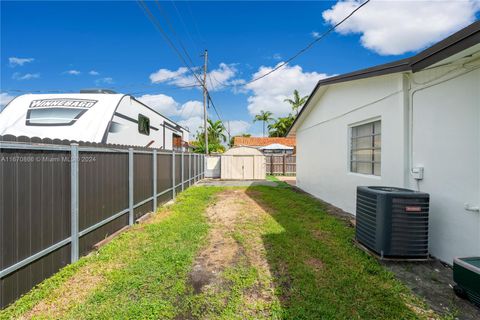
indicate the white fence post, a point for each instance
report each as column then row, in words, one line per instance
column 130, row 186
column 74, row 202
column 154, row 180
column 173, row 174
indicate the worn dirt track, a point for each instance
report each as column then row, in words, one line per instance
column 234, row 213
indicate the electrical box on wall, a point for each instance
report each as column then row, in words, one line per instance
column 417, row 173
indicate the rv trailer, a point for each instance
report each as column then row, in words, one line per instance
column 92, row 116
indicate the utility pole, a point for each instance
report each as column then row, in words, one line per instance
column 205, row 97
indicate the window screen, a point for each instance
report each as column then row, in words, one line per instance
column 143, row 124
column 365, row 152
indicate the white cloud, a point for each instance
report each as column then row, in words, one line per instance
column 224, row 74
column 106, row 80
column 73, row 72
column 395, row 27
column 192, row 108
column 237, row 127
column 14, row 61
column 269, row 92
column 164, row 104
column 315, row 34
column 26, row 76
column 93, row 73
column 167, row 106
column 193, row 124
column 5, row 98
column 164, row 75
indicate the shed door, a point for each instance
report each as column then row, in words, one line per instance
column 242, row 167
column 248, row 168
column 446, row 142
column 237, row 167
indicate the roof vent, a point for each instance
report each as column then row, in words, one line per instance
column 106, row 91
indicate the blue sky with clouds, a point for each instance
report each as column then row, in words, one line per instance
column 66, row 46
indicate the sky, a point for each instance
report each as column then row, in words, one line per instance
column 65, row 46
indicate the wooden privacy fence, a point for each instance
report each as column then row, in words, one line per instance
column 59, row 198
column 281, row 165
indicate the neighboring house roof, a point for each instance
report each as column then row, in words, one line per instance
column 276, row 146
column 261, row 142
column 457, row 42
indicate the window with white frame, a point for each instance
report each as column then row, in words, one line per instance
column 365, row 148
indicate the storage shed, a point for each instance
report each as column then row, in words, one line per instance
column 243, row 163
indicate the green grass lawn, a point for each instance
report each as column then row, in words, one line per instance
column 298, row 260
column 147, row 274
column 319, row 272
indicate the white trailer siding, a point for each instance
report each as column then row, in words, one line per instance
column 96, row 117
column 429, row 119
column 125, row 121
column 90, row 126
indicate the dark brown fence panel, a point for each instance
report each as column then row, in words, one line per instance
column 164, row 177
column 186, row 171
column 281, row 165
column 103, row 192
column 35, row 201
column 143, row 183
column 34, row 214
column 178, row 172
column 196, row 166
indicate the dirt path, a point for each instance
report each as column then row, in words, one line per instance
column 235, row 247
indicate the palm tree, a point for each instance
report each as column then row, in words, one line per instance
column 265, row 117
column 216, row 132
column 297, row 102
column 280, row 127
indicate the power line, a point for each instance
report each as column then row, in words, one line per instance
column 300, row 52
column 172, row 29
column 155, row 22
column 217, row 113
column 184, row 25
column 116, row 88
column 194, row 22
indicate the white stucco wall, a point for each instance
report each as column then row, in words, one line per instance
column 429, row 119
column 446, row 142
column 323, row 167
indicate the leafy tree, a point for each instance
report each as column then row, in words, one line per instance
column 265, row 117
column 216, row 131
column 280, row 127
column 297, row 102
column 216, row 136
column 212, row 147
